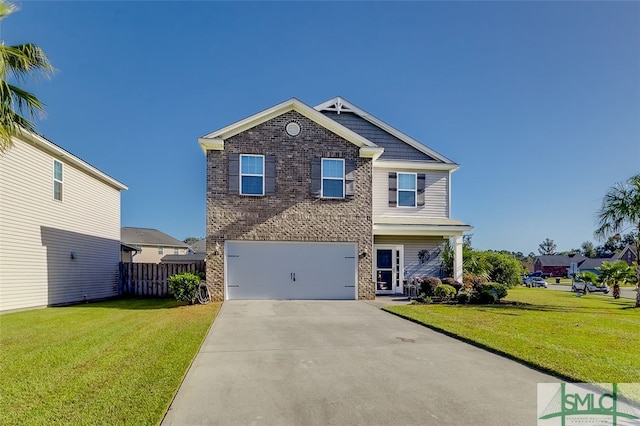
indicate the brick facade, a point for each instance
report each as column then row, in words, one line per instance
column 293, row 214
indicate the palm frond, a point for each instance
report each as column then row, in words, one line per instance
column 24, row 61
column 7, row 9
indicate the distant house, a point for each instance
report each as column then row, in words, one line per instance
column 629, row 254
column 196, row 252
column 59, row 227
column 556, row 265
column 200, row 246
column 151, row 245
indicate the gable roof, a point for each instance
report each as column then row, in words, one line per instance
column 559, row 259
column 51, row 148
column 593, row 263
column 215, row 140
column 199, row 246
column 339, row 105
column 149, row 237
column 628, row 248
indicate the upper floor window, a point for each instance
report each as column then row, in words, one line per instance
column 252, row 174
column 176, row 250
column 160, row 250
column 332, row 178
column 407, row 189
column 57, row 180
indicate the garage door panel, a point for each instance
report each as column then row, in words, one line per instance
column 290, row 270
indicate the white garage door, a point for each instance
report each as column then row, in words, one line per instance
column 290, row 270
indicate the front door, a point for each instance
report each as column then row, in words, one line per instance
column 388, row 269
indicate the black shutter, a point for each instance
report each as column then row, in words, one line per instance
column 393, row 189
column 316, row 177
column 270, row 175
column 421, row 184
column 349, row 178
column 234, row 174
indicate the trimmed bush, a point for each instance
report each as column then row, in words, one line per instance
column 429, row 284
column 184, row 286
column 453, row 283
column 423, row 298
column 499, row 289
column 486, row 297
column 445, row 291
column 463, row 297
column 472, row 281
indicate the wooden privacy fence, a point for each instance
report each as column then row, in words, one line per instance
column 152, row 279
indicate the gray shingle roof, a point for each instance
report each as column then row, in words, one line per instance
column 560, row 260
column 182, row 258
column 593, row 263
column 394, row 148
column 147, row 237
column 199, row 246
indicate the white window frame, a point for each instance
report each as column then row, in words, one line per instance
column 176, row 250
column 241, row 175
column 160, row 250
column 58, row 181
column 322, row 178
column 415, row 190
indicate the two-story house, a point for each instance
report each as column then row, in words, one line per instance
column 323, row 203
column 59, row 227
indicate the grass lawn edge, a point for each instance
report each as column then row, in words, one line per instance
column 487, row 348
column 184, row 375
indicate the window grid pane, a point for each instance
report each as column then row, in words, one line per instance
column 57, row 170
column 333, row 188
column 406, row 198
column 252, row 185
column 57, row 190
column 251, row 165
column 406, row 181
column 332, row 169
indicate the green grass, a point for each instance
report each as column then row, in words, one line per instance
column 107, row 363
column 587, row 339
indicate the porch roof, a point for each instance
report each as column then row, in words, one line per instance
column 407, row 225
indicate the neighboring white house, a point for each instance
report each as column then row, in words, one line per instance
column 59, row 227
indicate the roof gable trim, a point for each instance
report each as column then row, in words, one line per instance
column 339, row 104
column 292, row 104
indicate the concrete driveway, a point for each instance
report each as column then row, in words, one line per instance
column 345, row 363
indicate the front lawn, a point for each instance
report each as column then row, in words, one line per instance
column 583, row 339
column 107, row 363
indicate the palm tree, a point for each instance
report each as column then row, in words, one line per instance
column 621, row 209
column 17, row 106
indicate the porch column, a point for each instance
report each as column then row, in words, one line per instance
column 457, row 258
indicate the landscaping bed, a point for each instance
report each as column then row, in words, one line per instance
column 107, row 363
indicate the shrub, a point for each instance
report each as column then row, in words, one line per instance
column 453, row 283
column 472, row 281
column 499, row 289
column 423, row 298
column 184, row 286
column 429, row 284
column 504, row 268
column 463, row 297
column 445, row 291
column 486, row 296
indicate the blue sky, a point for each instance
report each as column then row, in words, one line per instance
column 538, row 101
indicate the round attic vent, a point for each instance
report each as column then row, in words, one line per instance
column 292, row 128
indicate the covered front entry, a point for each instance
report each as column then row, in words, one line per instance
column 388, row 269
column 270, row 270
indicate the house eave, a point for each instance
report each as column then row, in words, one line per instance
column 384, row 126
column 420, row 230
column 56, row 151
column 419, row 165
column 292, row 104
column 214, row 144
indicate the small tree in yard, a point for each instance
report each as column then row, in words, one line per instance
column 547, row 247
column 184, row 286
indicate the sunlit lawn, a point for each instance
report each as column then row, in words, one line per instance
column 108, row 363
column 586, row 339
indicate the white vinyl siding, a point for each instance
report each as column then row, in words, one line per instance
column 149, row 253
column 436, row 195
column 38, row 233
column 412, row 246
